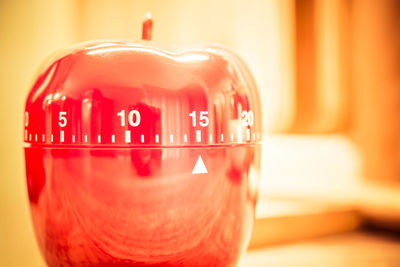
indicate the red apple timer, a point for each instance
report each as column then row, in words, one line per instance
column 137, row 155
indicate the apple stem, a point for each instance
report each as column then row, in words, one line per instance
column 147, row 27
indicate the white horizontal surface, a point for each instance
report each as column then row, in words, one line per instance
column 323, row 166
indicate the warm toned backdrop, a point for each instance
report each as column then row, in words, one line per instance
column 326, row 68
column 31, row 30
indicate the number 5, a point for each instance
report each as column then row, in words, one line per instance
column 203, row 120
column 62, row 119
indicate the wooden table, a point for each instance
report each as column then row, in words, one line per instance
column 355, row 249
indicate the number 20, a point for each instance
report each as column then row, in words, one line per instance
column 247, row 118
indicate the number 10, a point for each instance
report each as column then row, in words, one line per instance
column 133, row 117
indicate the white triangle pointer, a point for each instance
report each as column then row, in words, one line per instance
column 199, row 167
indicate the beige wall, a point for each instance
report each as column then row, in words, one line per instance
column 28, row 31
column 31, row 30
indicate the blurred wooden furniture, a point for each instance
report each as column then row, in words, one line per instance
column 291, row 220
column 356, row 249
column 376, row 87
column 347, row 77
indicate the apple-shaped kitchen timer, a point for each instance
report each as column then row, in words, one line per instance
column 137, row 155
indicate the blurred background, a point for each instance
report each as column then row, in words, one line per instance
column 329, row 78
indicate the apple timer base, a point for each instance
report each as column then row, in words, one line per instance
column 142, row 207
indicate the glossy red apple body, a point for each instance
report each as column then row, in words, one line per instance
column 140, row 156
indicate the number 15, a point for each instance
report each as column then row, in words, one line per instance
column 203, row 119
